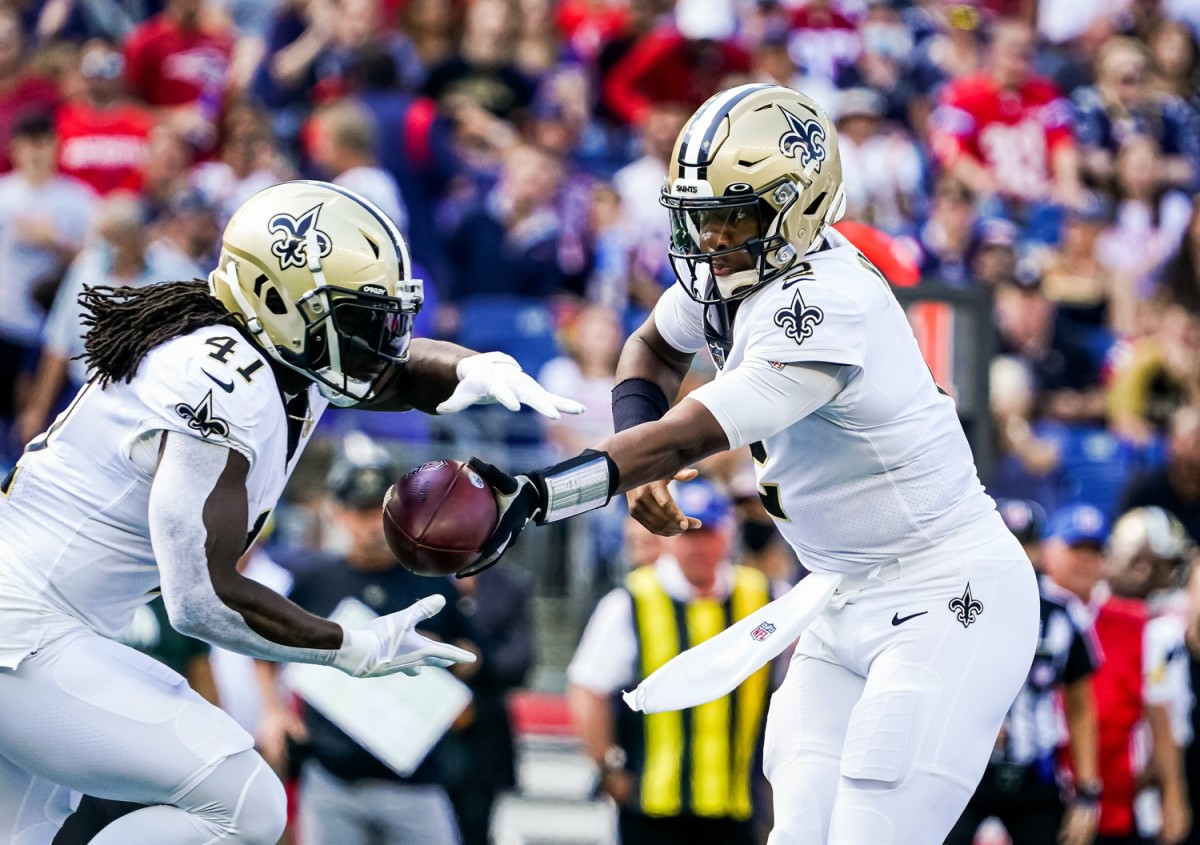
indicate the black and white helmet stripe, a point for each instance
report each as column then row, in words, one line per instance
column 702, row 130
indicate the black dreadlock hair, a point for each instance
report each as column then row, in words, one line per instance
column 124, row 323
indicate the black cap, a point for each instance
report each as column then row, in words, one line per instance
column 362, row 475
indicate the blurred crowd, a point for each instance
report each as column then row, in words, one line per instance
column 1041, row 157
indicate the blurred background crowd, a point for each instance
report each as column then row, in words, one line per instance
column 1023, row 171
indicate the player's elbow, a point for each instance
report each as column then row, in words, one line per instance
column 184, row 614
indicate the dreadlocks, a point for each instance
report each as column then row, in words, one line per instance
column 124, row 323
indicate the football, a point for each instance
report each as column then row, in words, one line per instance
column 438, row 516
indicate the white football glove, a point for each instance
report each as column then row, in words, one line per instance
column 496, row 377
column 389, row 644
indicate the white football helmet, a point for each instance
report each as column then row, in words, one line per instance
column 322, row 279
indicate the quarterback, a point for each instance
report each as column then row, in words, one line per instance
column 156, row 479
column 898, row 689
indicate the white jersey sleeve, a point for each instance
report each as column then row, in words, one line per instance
column 680, row 320
column 803, row 320
column 211, row 384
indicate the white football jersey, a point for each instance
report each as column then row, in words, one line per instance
column 884, row 469
column 74, row 531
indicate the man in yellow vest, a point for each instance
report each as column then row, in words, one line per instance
column 682, row 777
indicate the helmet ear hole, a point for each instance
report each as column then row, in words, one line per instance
column 274, row 302
column 815, row 204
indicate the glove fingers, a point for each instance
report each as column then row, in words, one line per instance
column 505, row 396
column 444, row 654
column 567, row 406
column 428, row 606
column 462, row 397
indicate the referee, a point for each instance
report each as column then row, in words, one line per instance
column 1021, row 786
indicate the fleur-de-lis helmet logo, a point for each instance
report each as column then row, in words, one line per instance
column 291, row 247
column 799, row 320
column 804, row 138
column 966, row 607
column 201, row 418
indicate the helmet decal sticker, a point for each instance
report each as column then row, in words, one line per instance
column 804, row 137
column 291, row 247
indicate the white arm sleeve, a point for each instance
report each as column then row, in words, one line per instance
column 759, row 398
column 186, row 476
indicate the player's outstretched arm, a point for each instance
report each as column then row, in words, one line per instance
column 198, row 515
column 443, row 378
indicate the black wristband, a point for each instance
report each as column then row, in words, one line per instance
column 636, row 401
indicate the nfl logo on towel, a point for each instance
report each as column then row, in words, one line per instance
column 763, row 631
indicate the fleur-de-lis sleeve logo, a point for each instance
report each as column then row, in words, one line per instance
column 201, row 418
column 291, row 245
column 798, row 320
column 803, row 138
column 966, row 607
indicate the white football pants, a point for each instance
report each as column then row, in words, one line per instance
column 90, row 715
column 893, row 700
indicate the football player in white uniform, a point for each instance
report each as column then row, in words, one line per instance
column 897, row 691
column 159, row 475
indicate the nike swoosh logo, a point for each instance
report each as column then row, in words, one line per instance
column 796, row 279
column 897, row 619
column 227, row 386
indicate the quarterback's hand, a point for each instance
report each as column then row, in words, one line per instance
column 390, row 644
column 496, row 377
column 652, row 506
column 518, row 500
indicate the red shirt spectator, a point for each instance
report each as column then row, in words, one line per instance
column 823, row 40
column 173, row 59
column 666, row 67
column 20, row 92
column 1118, row 689
column 105, row 148
column 1005, row 130
column 103, row 139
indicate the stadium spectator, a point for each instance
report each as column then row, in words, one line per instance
column 1159, row 374
column 484, row 758
column 433, row 27
column 1007, row 135
column 1176, row 61
column 1123, row 104
column 1147, row 556
column 123, row 255
column 954, row 50
column 823, row 40
column 343, row 148
column 1021, row 785
column 22, row 90
column 673, row 786
column 994, row 252
column 1081, row 286
column 44, row 217
column 1066, row 374
column 104, row 137
column 249, row 161
column 483, row 71
column 508, row 244
column 177, row 61
column 683, row 64
column 884, row 184
column 1150, row 220
column 1027, row 461
column 1174, row 487
column 943, row 242
column 346, row 793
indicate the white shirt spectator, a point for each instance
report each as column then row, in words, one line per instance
column 883, row 180
column 66, row 203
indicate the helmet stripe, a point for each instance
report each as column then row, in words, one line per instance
column 702, row 130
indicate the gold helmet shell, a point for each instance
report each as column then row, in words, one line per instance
column 756, row 152
column 323, row 281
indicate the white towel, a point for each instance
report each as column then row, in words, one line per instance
column 713, row 668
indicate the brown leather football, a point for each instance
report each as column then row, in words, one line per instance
column 438, row 516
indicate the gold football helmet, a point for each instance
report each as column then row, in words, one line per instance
column 754, row 180
column 1153, row 530
column 323, row 281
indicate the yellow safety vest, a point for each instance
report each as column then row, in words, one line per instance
column 697, row 761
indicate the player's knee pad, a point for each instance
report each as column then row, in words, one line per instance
column 799, row 817
column 888, row 725
column 242, row 800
